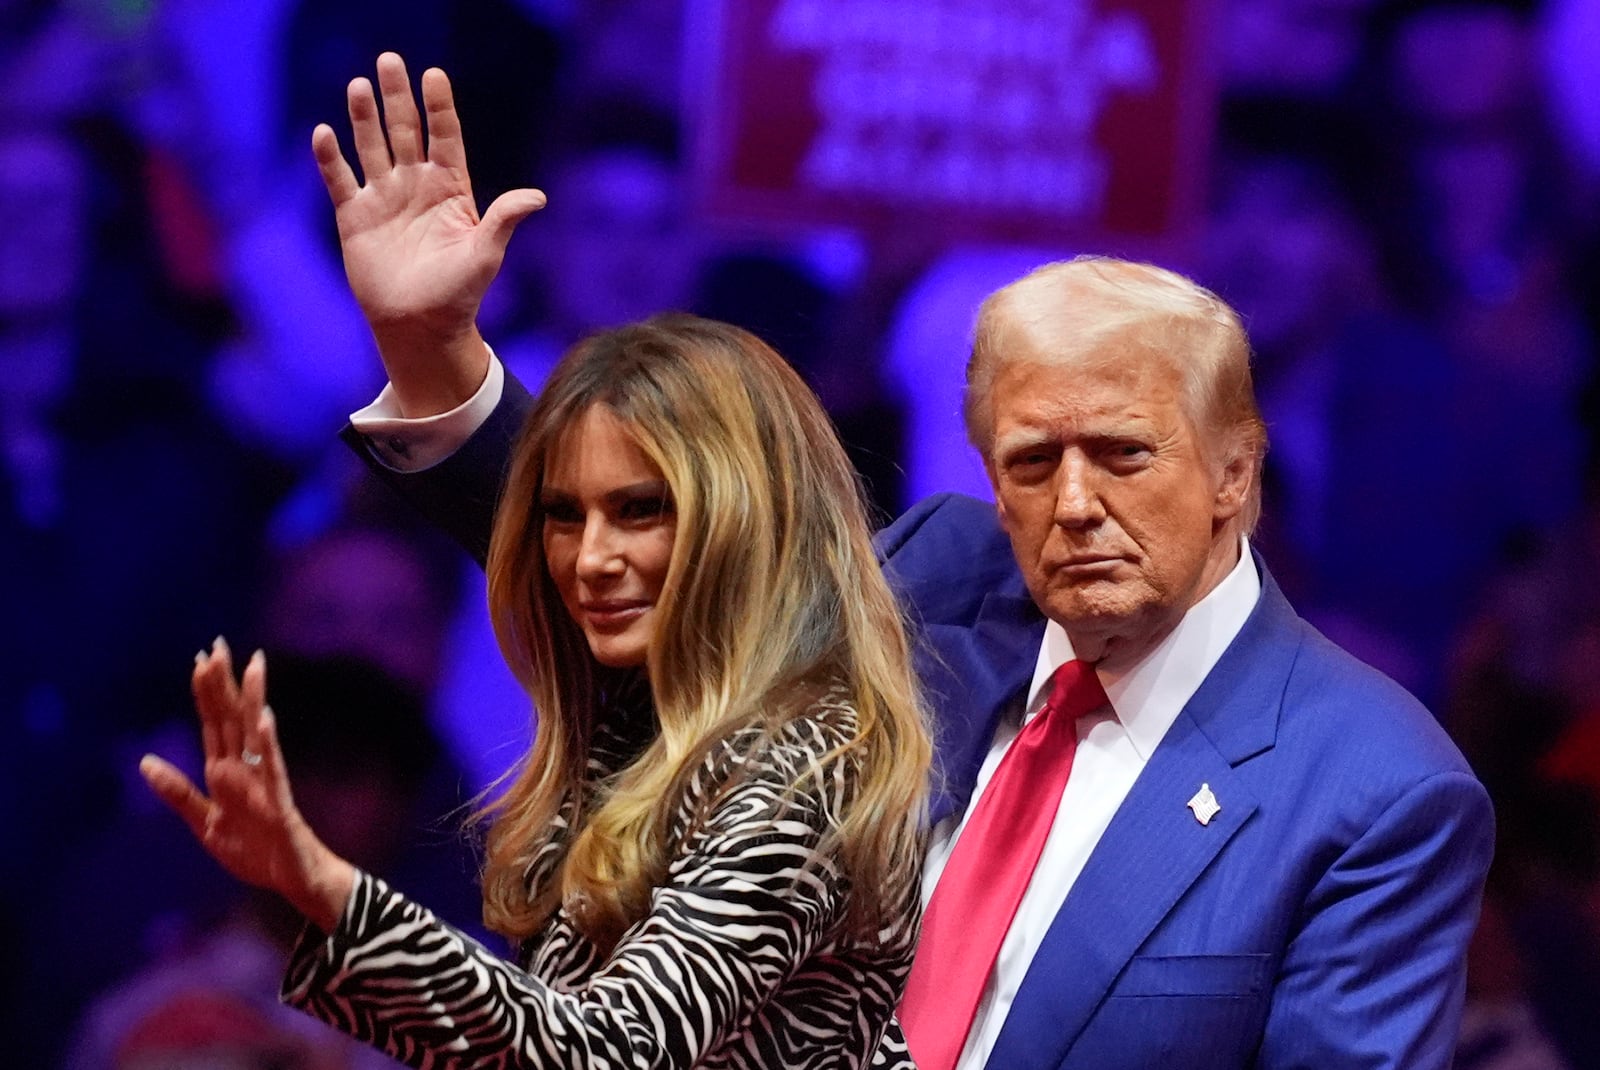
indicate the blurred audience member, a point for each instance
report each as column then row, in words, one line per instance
column 1479, row 236
column 380, row 587
column 363, row 590
column 1500, row 1029
column 612, row 247
column 1538, row 948
column 1537, row 623
column 1364, row 440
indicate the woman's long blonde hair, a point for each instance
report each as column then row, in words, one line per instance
column 773, row 595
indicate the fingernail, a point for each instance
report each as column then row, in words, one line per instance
column 259, row 657
column 220, row 645
column 200, row 658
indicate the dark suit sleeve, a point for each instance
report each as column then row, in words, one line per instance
column 892, row 539
column 944, row 556
column 460, row 493
column 1375, row 974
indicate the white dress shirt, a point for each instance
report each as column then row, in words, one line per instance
column 410, row 445
column 1114, row 743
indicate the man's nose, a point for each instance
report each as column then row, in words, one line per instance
column 1078, row 501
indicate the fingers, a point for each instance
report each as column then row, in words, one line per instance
column 445, row 146
column 223, row 692
column 253, row 690
column 252, row 704
column 335, row 169
column 509, row 209
column 177, row 791
column 399, row 109
column 366, row 130
column 210, row 732
column 272, row 763
column 230, row 713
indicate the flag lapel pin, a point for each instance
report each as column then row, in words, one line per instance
column 1204, row 804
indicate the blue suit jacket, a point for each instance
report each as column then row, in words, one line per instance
column 1320, row 920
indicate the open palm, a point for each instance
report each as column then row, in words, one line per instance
column 418, row 257
column 246, row 817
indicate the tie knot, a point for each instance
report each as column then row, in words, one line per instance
column 1074, row 691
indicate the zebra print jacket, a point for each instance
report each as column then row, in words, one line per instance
column 742, row 962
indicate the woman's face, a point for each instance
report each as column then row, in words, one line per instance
column 608, row 531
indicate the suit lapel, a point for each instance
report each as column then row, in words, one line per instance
column 1155, row 848
column 970, row 674
column 1152, row 851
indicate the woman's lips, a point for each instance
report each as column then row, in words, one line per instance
column 613, row 615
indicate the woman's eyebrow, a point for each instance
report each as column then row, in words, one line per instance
column 655, row 488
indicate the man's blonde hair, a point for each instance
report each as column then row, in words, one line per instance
column 1076, row 311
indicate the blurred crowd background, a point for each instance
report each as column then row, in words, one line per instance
column 1403, row 201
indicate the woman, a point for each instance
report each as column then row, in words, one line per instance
column 710, row 855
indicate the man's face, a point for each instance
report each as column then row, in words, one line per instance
column 1115, row 504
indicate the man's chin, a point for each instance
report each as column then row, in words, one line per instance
column 1090, row 615
column 1103, row 607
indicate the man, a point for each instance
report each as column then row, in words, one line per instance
column 1319, row 917
column 1257, row 851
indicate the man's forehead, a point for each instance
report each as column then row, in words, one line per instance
column 1077, row 407
column 1036, row 400
column 1068, row 374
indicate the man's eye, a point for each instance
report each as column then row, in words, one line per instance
column 1029, row 459
column 1029, row 467
column 1129, row 452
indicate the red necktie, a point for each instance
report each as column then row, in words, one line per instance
column 993, row 860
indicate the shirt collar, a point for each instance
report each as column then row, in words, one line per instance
column 1148, row 695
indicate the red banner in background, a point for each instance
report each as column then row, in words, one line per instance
column 1008, row 120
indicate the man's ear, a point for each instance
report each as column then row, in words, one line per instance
column 1234, row 482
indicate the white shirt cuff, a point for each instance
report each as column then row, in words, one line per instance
column 411, row 445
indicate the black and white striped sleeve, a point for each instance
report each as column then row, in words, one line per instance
column 745, row 902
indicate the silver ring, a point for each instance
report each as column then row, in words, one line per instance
column 249, row 757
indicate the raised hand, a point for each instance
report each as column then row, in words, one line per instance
column 249, row 822
column 418, row 257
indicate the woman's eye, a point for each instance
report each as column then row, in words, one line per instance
column 645, row 508
column 561, row 513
